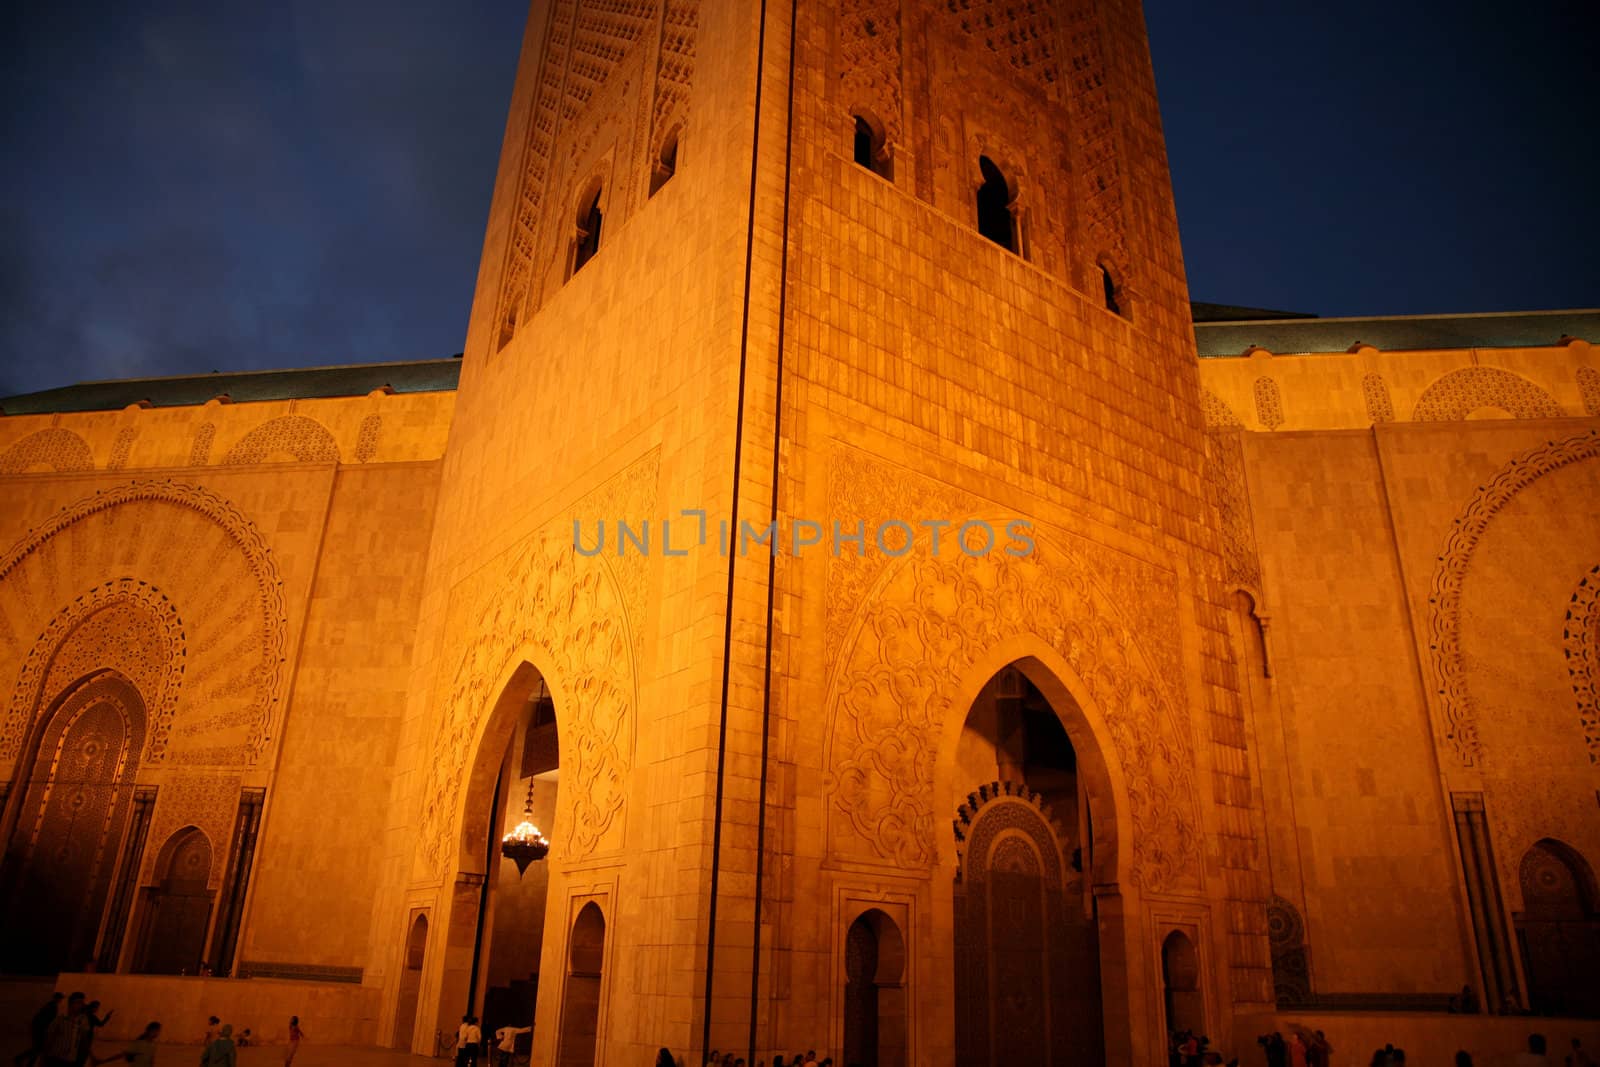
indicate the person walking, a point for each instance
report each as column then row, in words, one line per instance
column 65, row 1035
column 221, row 1052
column 93, row 1022
column 295, row 1034
column 505, row 1043
column 38, row 1029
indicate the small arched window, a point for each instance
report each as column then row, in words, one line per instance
column 995, row 220
column 1109, row 285
column 666, row 163
column 869, row 148
column 587, row 241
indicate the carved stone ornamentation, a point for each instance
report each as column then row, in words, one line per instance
column 1444, row 600
column 306, row 439
column 1216, row 411
column 194, row 554
column 208, row 802
column 367, row 438
column 1580, row 642
column 1225, row 480
column 1461, row 392
column 1269, row 403
column 917, row 634
column 56, row 448
column 1376, row 392
column 543, row 594
column 126, row 626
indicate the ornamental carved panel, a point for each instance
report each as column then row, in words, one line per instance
column 1459, row 723
column 576, row 611
column 149, row 554
column 918, row 628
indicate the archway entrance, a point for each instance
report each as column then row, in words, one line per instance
column 66, row 820
column 405, row 1016
column 1559, row 932
column 177, row 912
column 874, row 992
column 580, row 1007
column 515, row 778
column 1027, row 954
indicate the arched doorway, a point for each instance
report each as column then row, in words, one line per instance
column 1559, row 932
column 177, row 910
column 874, row 992
column 1027, row 953
column 580, row 1004
column 1180, row 982
column 67, row 817
column 515, row 919
column 405, row 1016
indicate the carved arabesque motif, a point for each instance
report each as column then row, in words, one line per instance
column 1020, row 31
column 1444, row 600
column 56, row 448
column 1589, row 389
column 1269, row 403
column 121, row 447
column 126, row 625
column 869, row 61
column 575, row 609
column 1225, row 480
column 207, row 559
column 917, row 636
column 1376, row 392
column 1291, row 959
column 200, row 454
column 209, row 802
column 306, row 439
column 1580, row 642
column 1216, row 411
column 367, row 438
column 1461, row 392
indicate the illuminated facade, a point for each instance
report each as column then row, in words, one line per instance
column 1288, row 713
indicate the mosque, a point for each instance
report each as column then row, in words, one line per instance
column 845, row 597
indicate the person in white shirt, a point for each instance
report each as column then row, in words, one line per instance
column 505, row 1042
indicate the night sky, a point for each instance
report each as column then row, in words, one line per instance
column 196, row 187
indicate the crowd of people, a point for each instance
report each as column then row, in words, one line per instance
column 62, row 1034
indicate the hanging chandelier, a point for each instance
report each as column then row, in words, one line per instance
column 525, row 844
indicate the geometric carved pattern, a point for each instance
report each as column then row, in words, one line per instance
column 205, row 801
column 680, row 24
column 1098, row 161
column 913, row 641
column 869, row 53
column 1444, row 621
column 207, row 559
column 1291, row 964
column 1269, row 405
column 57, row 449
column 200, row 455
column 1461, row 392
column 307, row 440
column 576, row 610
column 124, row 625
column 120, row 448
column 1580, row 641
column 1023, row 33
column 1589, row 389
column 367, row 438
column 585, row 44
column 1379, row 407
column 976, row 802
column 1216, row 411
column 1225, row 478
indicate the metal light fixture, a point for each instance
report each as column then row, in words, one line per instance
column 525, row 844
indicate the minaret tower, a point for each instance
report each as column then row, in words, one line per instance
column 888, row 274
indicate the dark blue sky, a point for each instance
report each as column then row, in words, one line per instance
column 199, row 186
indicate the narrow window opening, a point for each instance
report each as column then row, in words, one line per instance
column 666, row 163
column 588, row 239
column 1110, row 286
column 864, row 141
column 870, row 151
column 994, row 206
